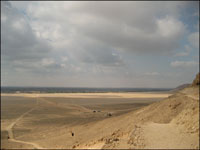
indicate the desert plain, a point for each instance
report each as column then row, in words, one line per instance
column 100, row 120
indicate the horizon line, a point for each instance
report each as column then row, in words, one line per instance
column 88, row 87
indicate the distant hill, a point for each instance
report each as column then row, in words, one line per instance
column 194, row 83
column 180, row 87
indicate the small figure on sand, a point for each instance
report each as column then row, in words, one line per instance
column 72, row 133
column 109, row 114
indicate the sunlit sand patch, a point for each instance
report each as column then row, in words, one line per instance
column 95, row 146
column 93, row 95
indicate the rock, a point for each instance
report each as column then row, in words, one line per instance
column 115, row 139
column 102, row 139
column 176, row 105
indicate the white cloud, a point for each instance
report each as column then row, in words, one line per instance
column 19, row 24
column 170, row 27
column 184, row 63
column 3, row 18
column 47, row 62
column 64, row 58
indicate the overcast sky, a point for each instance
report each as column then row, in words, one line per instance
column 99, row 44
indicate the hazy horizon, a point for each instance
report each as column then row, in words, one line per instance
column 99, row 44
column 85, row 87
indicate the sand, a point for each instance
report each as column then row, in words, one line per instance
column 167, row 136
column 94, row 95
column 136, row 120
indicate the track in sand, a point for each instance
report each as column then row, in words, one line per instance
column 10, row 129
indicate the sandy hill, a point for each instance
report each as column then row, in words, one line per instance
column 172, row 123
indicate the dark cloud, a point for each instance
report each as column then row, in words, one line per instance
column 19, row 42
column 139, row 27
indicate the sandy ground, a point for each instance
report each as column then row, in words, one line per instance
column 26, row 117
column 101, row 120
column 166, row 136
column 94, row 95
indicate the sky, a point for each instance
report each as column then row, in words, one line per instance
column 136, row 44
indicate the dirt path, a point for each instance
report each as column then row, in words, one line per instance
column 10, row 129
column 29, row 143
column 81, row 108
column 160, row 135
column 168, row 136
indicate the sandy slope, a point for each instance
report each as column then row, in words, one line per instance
column 166, row 136
column 180, row 133
column 182, row 130
column 172, row 123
